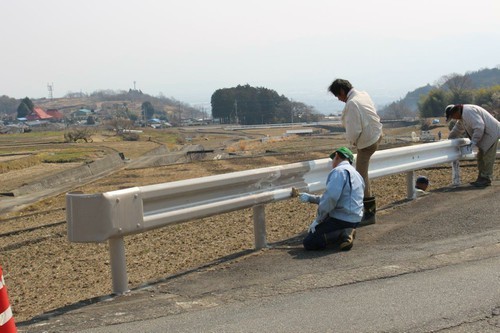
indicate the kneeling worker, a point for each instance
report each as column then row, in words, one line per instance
column 340, row 208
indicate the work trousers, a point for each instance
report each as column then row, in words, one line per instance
column 327, row 232
column 363, row 163
column 486, row 161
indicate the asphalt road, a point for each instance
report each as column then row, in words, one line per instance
column 430, row 265
column 421, row 302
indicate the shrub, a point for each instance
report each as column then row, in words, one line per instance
column 128, row 136
column 77, row 134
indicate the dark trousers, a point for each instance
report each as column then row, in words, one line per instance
column 327, row 232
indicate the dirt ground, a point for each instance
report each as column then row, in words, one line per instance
column 44, row 271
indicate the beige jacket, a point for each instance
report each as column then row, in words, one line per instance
column 360, row 120
column 482, row 128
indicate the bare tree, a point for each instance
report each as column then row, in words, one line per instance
column 77, row 134
column 119, row 124
column 495, row 105
column 460, row 86
column 397, row 110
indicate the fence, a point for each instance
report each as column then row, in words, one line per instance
column 111, row 216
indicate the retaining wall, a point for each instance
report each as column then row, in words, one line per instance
column 75, row 175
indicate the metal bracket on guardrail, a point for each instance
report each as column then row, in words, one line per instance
column 466, row 151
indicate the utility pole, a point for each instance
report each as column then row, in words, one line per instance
column 236, row 111
column 50, row 86
column 180, row 114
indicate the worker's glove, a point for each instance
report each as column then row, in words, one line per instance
column 312, row 226
column 469, row 149
column 306, row 197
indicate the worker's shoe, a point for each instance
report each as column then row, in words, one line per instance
column 370, row 208
column 347, row 239
column 333, row 237
column 481, row 182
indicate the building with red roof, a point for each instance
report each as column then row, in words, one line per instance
column 55, row 114
column 38, row 114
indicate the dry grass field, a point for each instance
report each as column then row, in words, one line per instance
column 43, row 271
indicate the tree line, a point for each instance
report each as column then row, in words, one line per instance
column 248, row 105
column 458, row 89
column 481, row 88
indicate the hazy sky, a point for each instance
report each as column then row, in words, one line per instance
column 187, row 49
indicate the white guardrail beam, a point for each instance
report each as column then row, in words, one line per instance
column 112, row 215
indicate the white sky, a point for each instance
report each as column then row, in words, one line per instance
column 187, row 49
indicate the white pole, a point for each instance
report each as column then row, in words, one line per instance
column 455, row 173
column 410, row 185
column 259, row 226
column 118, row 265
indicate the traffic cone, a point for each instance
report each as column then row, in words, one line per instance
column 7, row 324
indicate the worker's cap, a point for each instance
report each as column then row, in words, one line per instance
column 423, row 180
column 345, row 152
column 448, row 111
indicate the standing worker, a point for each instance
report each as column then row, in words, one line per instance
column 340, row 208
column 363, row 131
column 483, row 130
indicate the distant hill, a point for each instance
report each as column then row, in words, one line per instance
column 109, row 101
column 411, row 98
column 120, row 100
column 487, row 77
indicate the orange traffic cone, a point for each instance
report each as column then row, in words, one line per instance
column 7, row 324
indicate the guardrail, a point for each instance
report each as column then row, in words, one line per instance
column 111, row 216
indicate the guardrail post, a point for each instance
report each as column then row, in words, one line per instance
column 259, row 226
column 118, row 265
column 455, row 173
column 410, row 185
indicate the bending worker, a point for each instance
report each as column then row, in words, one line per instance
column 483, row 130
column 340, row 208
